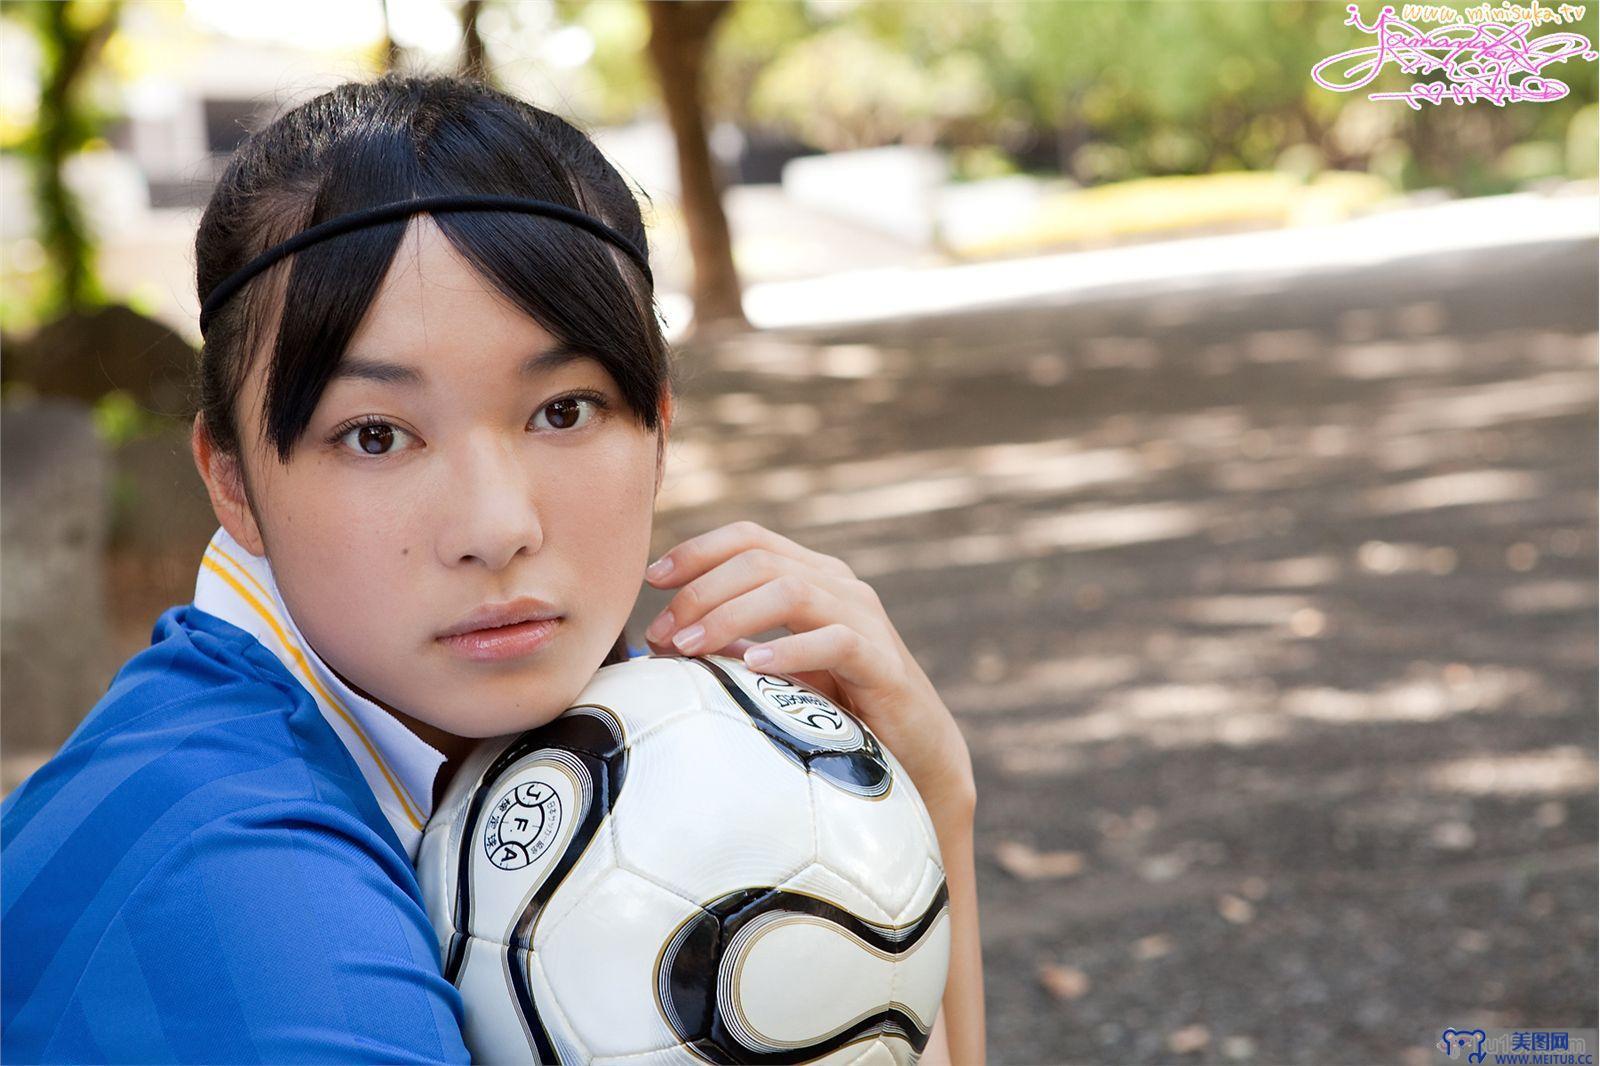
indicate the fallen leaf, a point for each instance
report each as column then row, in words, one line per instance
column 1236, row 910
column 1153, row 946
column 1022, row 862
column 1063, row 982
column 1189, row 1038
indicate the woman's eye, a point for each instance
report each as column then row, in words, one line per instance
column 378, row 438
column 371, row 438
column 567, row 411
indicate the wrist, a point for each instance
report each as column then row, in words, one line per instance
column 953, row 810
column 953, row 796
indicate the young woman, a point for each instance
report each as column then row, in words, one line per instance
column 433, row 439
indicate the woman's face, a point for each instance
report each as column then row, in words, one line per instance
column 478, row 484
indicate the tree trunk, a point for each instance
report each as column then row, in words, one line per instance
column 391, row 48
column 71, row 47
column 680, row 38
column 474, row 58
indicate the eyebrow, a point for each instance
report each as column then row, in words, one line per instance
column 367, row 369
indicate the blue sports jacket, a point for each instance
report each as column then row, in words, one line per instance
column 202, row 874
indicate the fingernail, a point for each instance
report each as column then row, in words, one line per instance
column 659, row 569
column 757, row 656
column 689, row 639
column 659, row 628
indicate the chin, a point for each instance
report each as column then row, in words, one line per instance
column 513, row 700
column 510, row 721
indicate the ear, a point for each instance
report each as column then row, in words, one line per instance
column 225, row 484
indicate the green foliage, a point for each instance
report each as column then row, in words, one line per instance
column 119, row 418
column 884, row 72
column 980, row 161
column 843, row 89
column 1583, row 143
column 1126, row 88
column 70, row 35
column 623, row 84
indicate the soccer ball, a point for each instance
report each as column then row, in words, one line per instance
column 693, row 863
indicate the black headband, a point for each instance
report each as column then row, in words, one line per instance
column 371, row 216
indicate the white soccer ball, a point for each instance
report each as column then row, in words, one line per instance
column 693, row 863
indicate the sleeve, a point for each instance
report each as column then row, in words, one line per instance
column 283, row 933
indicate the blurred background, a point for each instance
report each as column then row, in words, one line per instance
column 1224, row 446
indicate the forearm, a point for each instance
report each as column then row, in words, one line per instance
column 961, row 1010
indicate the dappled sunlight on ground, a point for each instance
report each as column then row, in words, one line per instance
column 1268, row 612
column 1554, row 771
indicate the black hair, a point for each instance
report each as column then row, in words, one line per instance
column 396, row 137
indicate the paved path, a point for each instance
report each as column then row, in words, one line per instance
column 1268, row 608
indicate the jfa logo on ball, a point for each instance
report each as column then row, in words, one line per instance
column 522, row 825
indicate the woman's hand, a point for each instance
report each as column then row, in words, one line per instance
column 743, row 578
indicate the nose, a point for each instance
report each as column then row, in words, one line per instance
column 489, row 512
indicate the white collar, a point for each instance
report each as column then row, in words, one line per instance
column 398, row 765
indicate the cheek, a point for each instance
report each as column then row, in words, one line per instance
column 354, row 542
column 606, row 522
column 362, row 509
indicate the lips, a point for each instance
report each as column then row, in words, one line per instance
column 497, row 615
column 504, row 642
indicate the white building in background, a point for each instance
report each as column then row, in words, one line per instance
column 196, row 77
column 190, row 80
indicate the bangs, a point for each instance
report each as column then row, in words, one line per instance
column 579, row 288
